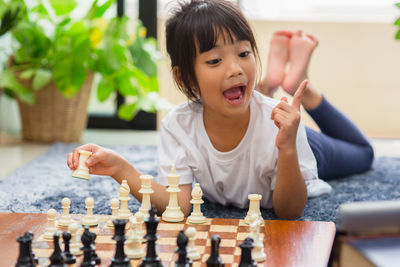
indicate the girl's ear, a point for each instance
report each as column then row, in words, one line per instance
column 178, row 76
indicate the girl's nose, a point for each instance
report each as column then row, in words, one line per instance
column 234, row 68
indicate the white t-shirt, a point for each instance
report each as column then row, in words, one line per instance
column 229, row 177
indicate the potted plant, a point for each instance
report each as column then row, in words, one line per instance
column 55, row 55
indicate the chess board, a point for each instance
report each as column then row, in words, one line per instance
column 287, row 243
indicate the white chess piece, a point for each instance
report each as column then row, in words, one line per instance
column 52, row 227
column 65, row 218
column 114, row 204
column 137, row 225
column 75, row 243
column 133, row 246
column 257, row 252
column 173, row 212
column 254, row 208
column 196, row 217
column 192, row 252
column 146, row 191
column 89, row 218
column 124, row 190
column 82, row 171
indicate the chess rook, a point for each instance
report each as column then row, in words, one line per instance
column 254, row 208
column 25, row 257
column 246, row 259
column 146, row 191
column 82, row 171
column 196, row 217
column 173, row 212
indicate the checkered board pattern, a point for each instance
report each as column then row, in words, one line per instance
column 231, row 231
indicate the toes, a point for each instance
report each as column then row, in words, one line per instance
column 313, row 38
column 286, row 33
column 298, row 33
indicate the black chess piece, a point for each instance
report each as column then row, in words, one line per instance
column 151, row 259
column 57, row 257
column 35, row 259
column 182, row 241
column 25, row 258
column 95, row 257
column 246, row 260
column 120, row 259
column 69, row 258
column 86, row 240
column 215, row 260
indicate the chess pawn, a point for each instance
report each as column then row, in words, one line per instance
column 114, row 203
column 257, row 253
column 82, row 171
column 89, row 219
column 124, row 190
column 146, row 191
column 173, row 212
column 137, row 225
column 75, row 243
column 254, row 208
column 52, row 227
column 193, row 254
column 65, row 218
column 133, row 247
column 196, row 217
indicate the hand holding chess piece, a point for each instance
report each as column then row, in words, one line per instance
column 82, row 171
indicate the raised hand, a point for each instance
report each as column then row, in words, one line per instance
column 102, row 162
column 287, row 118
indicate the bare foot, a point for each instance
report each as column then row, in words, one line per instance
column 301, row 48
column 277, row 59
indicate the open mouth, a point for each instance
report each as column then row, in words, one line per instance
column 235, row 95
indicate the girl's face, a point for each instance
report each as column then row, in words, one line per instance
column 226, row 77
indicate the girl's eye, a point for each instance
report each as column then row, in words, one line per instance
column 244, row 54
column 213, row 61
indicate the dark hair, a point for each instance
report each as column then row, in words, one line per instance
column 201, row 22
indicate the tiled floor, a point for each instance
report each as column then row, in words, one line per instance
column 14, row 155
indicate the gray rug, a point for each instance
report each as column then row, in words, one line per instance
column 42, row 183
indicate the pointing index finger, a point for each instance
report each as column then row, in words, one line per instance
column 299, row 93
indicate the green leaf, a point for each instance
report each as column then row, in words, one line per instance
column 71, row 56
column 104, row 89
column 128, row 111
column 98, row 11
column 27, row 74
column 8, row 80
column 41, row 78
column 63, row 7
column 397, row 37
column 398, row 5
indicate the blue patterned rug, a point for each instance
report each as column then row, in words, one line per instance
column 43, row 182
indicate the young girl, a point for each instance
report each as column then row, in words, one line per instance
column 231, row 139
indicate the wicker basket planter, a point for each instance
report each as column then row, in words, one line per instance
column 54, row 118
